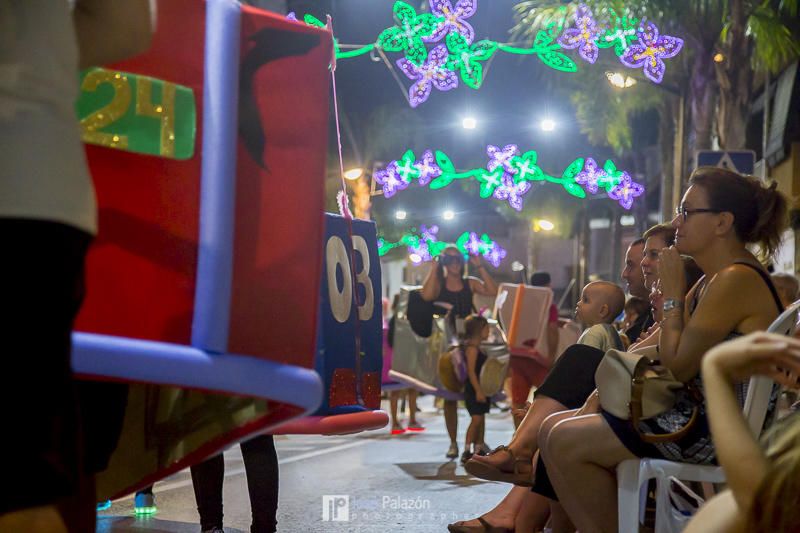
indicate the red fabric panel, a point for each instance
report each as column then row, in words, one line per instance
column 141, row 269
column 278, row 247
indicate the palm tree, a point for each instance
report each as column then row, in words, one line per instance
column 727, row 42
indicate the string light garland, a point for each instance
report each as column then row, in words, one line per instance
column 423, row 245
column 636, row 43
column 509, row 176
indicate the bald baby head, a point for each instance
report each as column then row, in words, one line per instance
column 601, row 302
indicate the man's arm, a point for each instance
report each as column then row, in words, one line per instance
column 112, row 30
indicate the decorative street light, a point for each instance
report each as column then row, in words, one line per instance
column 354, row 173
column 619, row 80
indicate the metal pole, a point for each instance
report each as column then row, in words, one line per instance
column 679, row 157
column 765, row 128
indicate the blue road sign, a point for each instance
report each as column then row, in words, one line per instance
column 741, row 161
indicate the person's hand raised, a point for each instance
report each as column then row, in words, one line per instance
column 475, row 260
column 672, row 274
column 757, row 354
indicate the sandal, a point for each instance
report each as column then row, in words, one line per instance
column 516, row 470
column 485, row 527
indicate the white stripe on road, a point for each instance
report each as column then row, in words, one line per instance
column 164, row 487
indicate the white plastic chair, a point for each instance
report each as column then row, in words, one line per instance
column 633, row 475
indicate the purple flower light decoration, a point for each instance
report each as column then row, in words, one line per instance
column 428, row 233
column 292, row 16
column 432, row 73
column 495, row 254
column 428, row 169
column 474, row 244
column 512, row 192
column 454, row 18
column 591, row 175
column 391, row 181
column 498, row 157
column 626, row 190
column 583, row 35
column 650, row 51
column 419, row 254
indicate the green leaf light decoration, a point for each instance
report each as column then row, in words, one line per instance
column 507, row 168
column 413, row 30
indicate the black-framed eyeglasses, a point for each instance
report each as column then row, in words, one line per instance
column 684, row 212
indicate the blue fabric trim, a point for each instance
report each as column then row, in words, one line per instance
column 218, row 177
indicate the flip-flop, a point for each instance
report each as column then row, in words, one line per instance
column 398, row 431
column 484, row 527
column 415, row 427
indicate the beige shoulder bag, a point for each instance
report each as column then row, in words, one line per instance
column 631, row 387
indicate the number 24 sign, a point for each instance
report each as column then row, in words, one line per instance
column 137, row 114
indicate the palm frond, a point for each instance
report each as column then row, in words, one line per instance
column 775, row 44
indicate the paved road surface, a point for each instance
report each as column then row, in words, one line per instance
column 389, row 483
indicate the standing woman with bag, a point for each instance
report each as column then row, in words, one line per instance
column 446, row 283
column 720, row 214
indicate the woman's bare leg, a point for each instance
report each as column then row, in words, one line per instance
column 526, row 439
column 505, row 512
column 533, row 513
column 451, row 419
column 559, row 520
column 470, row 442
column 394, row 396
column 412, row 407
column 581, row 454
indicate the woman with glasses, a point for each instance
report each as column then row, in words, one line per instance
column 447, row 283
column 721, row 213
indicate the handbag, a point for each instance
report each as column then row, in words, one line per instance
column 632, row 387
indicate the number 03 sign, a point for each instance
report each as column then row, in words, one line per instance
column 352, row 379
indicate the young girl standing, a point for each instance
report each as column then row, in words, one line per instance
column 476, row 330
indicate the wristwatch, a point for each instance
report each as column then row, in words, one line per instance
column 671, row 303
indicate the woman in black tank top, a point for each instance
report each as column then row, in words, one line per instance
column 446, row 283
column 720, row 214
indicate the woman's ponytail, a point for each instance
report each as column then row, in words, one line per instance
column 771, row 222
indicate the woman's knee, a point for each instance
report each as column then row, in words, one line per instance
column 564, row 441
column 549, row 423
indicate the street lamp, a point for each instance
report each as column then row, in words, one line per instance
column 671, row 186
column 619, row 80
column 469, row 123
column 547, row 124
column 400, row 214
column 543, row 225
column 354, row 173
column 448, row 215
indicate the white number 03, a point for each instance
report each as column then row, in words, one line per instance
column 342, row 301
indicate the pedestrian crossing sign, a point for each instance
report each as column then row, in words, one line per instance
column 741, row 161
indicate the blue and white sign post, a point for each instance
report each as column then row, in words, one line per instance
column 741, row 161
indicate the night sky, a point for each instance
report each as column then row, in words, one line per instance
column 518, row 91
